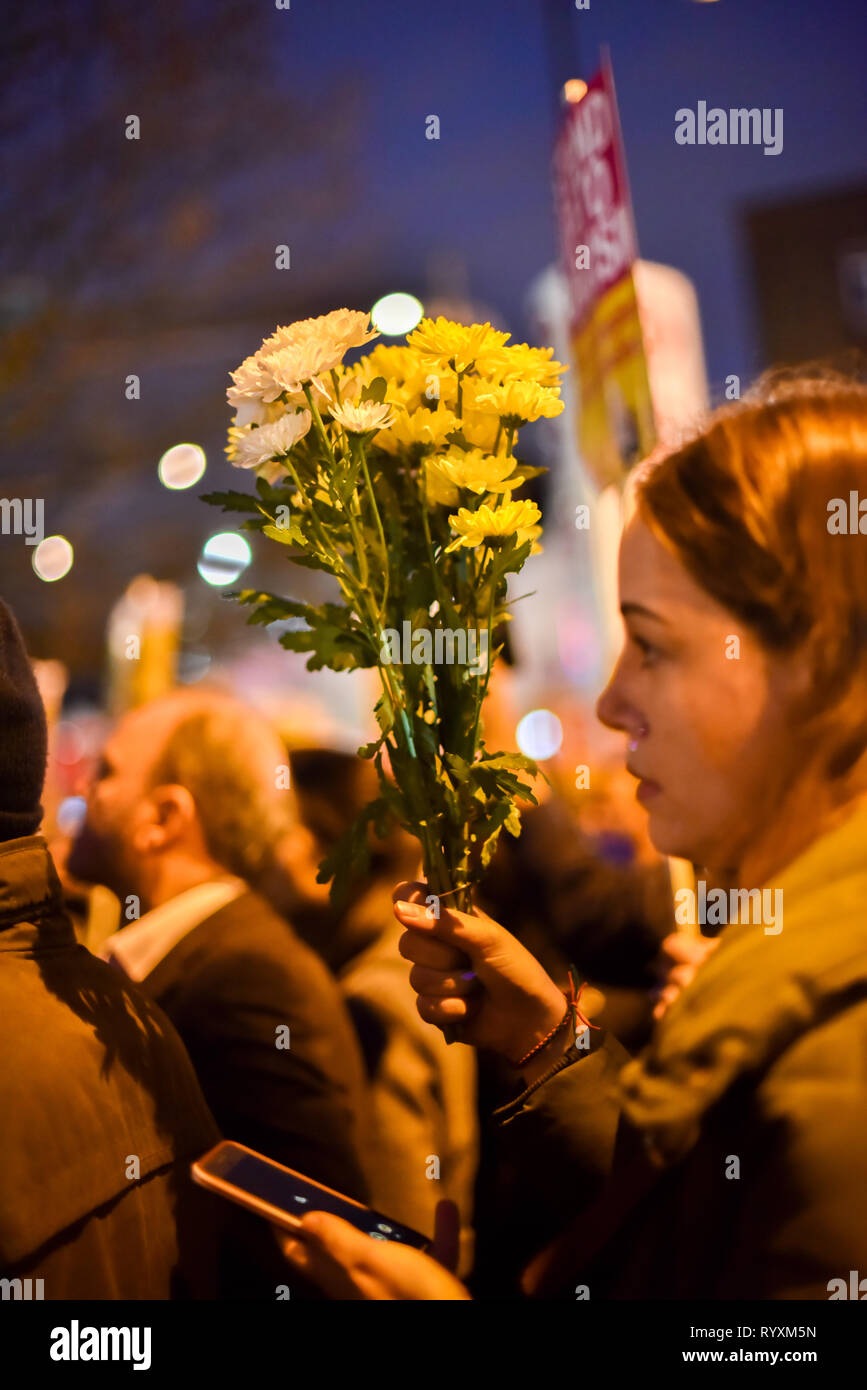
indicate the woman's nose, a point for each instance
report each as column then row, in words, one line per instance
column 608, row 707
column 613, row 708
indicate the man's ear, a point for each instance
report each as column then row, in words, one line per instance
column 172, row 816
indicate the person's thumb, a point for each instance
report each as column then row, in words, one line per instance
column 447, row 1234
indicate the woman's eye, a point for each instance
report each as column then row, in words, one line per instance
column 647, row 649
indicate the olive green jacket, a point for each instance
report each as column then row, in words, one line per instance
column 730, row 1159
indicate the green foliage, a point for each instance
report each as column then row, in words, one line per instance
column 360, row 514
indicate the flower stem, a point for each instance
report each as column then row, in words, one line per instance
column 317, row 418
column 482, row 691
column 378, row 520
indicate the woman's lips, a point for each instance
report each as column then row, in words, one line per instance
column 646, row 791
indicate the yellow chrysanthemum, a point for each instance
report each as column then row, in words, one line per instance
column 520, row 362
column 495, row 523
column 481, row 431
column 517, row 402
column 456, row 345
column 430, row 428
column 475, row 471
column 407, row 377
column 439, row 490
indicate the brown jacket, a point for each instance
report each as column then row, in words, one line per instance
column 101, row 1114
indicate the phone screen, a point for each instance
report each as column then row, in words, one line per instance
column 292, row 1193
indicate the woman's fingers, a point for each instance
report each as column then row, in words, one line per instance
column 410, row 892
column 681, row 975
column 424, row 980
column 685, row 949
column 425, row 950
column 447, row 1234
column 436, row 1010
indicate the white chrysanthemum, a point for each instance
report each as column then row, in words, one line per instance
column 307, row 349
column 291, row 357
column 342, row 328
column 361, row 416
column 254, row 447
column 254, row 386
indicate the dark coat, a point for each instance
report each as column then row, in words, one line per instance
column 228, row 986
column 92, row 1077
column 728, row 1161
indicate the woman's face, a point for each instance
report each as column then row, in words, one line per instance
column 703, row 706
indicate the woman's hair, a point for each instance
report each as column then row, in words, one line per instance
column 750, row 509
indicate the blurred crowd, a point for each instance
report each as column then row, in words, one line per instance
column 208, row 832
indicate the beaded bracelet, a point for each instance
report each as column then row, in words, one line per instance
column 572, row 1011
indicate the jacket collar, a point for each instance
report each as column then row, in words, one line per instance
column 30, row 891
column 757, row 993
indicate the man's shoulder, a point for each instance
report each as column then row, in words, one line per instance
column 243, row 947
column 101, row 1087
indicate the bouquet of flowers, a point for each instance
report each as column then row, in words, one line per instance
column 395, row 475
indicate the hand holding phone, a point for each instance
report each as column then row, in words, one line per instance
column 283, row 1196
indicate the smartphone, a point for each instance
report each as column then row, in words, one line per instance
column 282, row 1195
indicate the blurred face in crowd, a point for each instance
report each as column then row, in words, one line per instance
column 124, row 816
column 703, row 706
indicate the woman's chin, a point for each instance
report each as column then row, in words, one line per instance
column 671, row 839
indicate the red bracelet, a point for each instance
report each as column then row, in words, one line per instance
column 572, row 1002
column 539, row 1045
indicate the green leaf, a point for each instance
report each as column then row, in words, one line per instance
column 283, row 534
column 384, row 712
column 516, row 762
column 349, row 858
column 269, row 608
column 231, row 501
column 370, row 750
column 376, row 390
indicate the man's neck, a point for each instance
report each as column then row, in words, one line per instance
column 178, row 876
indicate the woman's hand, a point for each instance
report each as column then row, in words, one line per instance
column 347, row 1264
column 468, row 970
column 680, row 956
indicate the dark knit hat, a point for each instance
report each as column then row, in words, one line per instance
column 23, row 736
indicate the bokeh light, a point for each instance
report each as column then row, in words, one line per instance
column 181, row 466
column 539, row 734
column 395, row 314
column 70, row 814
column 52, row 558
column 574, row 90
column 224, row 557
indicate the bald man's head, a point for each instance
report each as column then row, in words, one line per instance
column 195, row 772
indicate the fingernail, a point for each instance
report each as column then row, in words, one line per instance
column 412, row 911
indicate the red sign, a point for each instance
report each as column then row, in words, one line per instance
column 597, row 236
column 598, row 251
